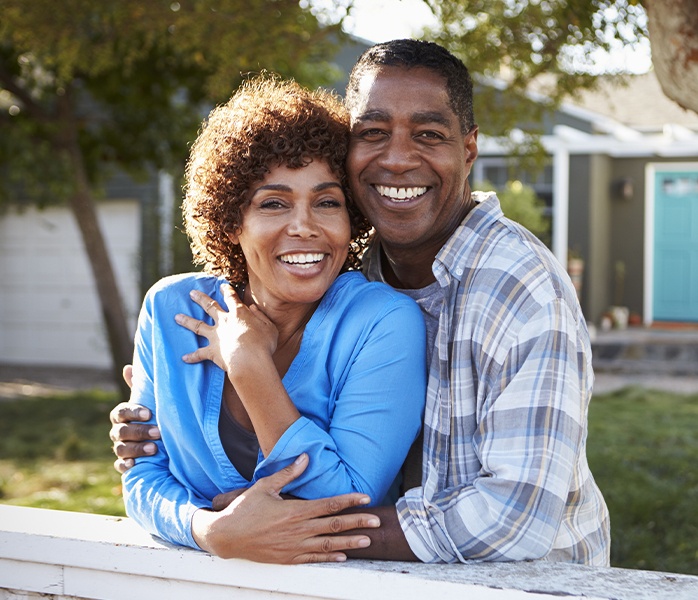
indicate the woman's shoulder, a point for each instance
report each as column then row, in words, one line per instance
column 354, row 290
column 179, row 285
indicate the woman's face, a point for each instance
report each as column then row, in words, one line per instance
column 295, row 234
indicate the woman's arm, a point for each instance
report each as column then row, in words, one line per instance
column 242, row 342
column 377, row 412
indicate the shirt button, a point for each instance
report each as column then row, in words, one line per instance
column 459, row 271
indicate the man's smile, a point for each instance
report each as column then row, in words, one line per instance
column 400, row 194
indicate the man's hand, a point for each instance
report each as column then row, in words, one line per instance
column 130, row 438
column 259, row 525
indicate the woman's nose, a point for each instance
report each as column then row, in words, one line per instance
column 303, row 222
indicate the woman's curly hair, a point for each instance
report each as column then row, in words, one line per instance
column 268, row 122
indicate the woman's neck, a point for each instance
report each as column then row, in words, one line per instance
column 289, row 319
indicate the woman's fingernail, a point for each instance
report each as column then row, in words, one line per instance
column 373, row 522
column 154, row 432
column 364, row 543
column 178, row 319
column 149, row 448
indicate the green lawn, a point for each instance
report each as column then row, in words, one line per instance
column 642, row 448
column 643, row 451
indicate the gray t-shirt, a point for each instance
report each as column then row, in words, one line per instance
column 429, row 299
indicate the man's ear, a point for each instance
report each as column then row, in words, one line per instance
column 470, row 142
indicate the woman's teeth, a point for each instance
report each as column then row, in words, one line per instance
column 305, row 260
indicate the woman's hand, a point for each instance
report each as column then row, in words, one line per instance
column 237, row 336
column 259, row 525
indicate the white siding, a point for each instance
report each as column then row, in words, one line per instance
column 49, row 311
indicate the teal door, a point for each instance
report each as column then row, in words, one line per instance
column 676, row 246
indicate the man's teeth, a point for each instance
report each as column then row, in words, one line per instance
column 302, row 259
column 400, row 194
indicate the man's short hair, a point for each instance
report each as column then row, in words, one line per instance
column 409, row 54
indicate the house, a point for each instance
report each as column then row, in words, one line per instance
column 622, row 186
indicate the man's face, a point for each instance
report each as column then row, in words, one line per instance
column 408, row 160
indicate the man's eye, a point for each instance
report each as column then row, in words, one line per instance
column 430, row 135
column 371, row 133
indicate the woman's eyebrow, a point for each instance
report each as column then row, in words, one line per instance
column 282, row 187
column 275, row 187
column 320, row 187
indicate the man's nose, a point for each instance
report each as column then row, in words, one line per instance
column 399, row 154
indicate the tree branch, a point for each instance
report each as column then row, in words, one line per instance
column 11, row 85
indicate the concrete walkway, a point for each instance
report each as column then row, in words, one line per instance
column 665, row 359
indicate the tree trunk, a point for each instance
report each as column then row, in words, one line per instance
column 673, row 32
column 83, row 207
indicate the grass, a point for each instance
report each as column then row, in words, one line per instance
column 642, row 448
column 643, row 452
column 55, row 453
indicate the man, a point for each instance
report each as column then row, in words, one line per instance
column 504, row 472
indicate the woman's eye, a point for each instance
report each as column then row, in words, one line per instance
column 271, row 203
column 330, row 203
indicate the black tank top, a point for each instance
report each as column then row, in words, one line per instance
column 241, row 446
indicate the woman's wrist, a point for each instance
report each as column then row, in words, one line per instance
column 201, row 526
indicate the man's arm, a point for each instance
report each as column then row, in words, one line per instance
column 388, row 541
column 131, row 439
column 257, row 524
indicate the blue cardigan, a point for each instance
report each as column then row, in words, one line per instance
column 358, row 380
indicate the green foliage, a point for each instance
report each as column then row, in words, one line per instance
column 642, row 450
column 131, row 80
column 521, row 204
column 541, row 45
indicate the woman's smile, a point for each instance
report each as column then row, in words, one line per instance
column 295, row 235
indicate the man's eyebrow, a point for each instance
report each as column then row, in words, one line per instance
column 373, row 115
column 424, row 118
column 419, row 118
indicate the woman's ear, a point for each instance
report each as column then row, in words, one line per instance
column 234, row 234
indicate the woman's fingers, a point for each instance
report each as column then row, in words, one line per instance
column 205, row 301
column 192, row 324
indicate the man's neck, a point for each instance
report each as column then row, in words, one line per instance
column 410, row 268
column 405, row 271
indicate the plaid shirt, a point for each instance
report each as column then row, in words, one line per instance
column 505, row 475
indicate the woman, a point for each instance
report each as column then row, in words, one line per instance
column 302, row 359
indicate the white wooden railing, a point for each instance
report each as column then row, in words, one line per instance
column 55, row 554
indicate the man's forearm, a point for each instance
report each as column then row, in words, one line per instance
column 388, row 541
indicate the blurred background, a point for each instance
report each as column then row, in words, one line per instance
column 588, row 131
